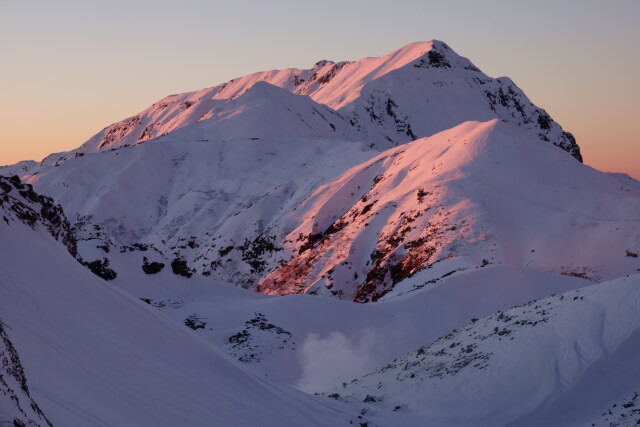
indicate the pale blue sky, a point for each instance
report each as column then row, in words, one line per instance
column 71, row 67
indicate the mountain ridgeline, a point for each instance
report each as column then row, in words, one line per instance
column 419, row 90
column 341, row 180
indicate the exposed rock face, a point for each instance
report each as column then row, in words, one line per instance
column 18, row 202
column 152, row 267
column 180, row 267
column 100, row 268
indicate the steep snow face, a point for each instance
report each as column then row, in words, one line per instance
column 269, row 112
column 263, row 111
column 16, row 405
column 435, row 90
column 326, row 83
column 484, row 191
column 94, row 355
column 213, row 205
column 416, row 91
column 560, row 361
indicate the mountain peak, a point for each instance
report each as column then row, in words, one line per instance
column 415, row 91
column 434, row 52
column 263, row 89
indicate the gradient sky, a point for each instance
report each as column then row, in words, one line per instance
column 69, row 68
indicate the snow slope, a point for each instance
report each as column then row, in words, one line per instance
column 566, row 360
column 295, row 215
column 416, row 91
column 263, row 110
column 210, row 203
column 16, row 405
column 482, row 191
column 94, row 355
column 319, row 343
column 144, row 369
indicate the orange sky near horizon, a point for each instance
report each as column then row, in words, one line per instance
column 70, row 68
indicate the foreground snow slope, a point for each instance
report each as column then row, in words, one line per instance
column 566, row 360
column 16, row 404
column 93, row 354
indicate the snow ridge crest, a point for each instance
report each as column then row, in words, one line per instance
column 416, row 91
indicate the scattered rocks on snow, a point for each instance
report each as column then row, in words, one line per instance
column 621, row 414
column 258, row 339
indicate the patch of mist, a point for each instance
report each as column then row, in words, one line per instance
column 328, row 362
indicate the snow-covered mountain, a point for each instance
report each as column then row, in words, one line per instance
column 482, row 192
column 419, row 90
column 412, row 182
column 251, row 180
column 277, row 215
